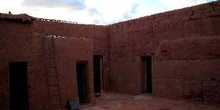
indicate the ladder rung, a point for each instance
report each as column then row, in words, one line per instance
column 57, row 102
column 48, row 53
column 53, row 95
column 53, row 85
column 49, row 76
column 49, row 49
column 51, row 67
column 49, row 58
column 55, row 106
column 52, row 76
column 53, row 90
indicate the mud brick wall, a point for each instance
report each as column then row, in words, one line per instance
column 75, row 42
column 23, row 42
column 98, row 35
column 19, row 45
column 68, row 52
column 184, row 45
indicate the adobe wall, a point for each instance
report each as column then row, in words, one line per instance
column 68, row 52
column 23, row 42
column 184, row 45
column 75, row 42
column 98, row 35
column 19, row 45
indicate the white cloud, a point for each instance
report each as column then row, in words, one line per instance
column 95, row 11
column 176, row 4
column 106, row 11
column 11, row 5
column 110, row 10
column 63, row 13
column 147, row 7
column 76, row 4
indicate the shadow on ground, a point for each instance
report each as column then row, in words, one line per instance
column 112, row 101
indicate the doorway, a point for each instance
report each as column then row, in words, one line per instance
column 97, row 74
column 81, row 82
column 18, row 86
column 147, row 74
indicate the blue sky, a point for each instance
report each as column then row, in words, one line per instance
column 93, row 11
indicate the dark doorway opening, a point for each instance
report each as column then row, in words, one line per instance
column 147, row 73
column 81, row 82
column 97, row 74
column 18, row 86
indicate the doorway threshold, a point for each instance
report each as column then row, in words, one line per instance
column 142, row 96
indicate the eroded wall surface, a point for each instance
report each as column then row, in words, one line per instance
column 97, row 35
column 23, row 42
column 68, row 52
column 19, row 45
column 75, row 42
column 184, row 45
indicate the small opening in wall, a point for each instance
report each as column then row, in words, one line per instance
column 18, row 86
column 81, row 69
column 147, row 74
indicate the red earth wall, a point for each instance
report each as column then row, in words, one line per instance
column 98, row 35
column 184, row 45
column 23, row 42
column 74, row 43
column 19, row 45
column 68, row 52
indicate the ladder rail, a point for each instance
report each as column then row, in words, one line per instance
column 56, row 71
column 54, row 75
column 45, row 69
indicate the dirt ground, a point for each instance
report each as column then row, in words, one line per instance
column 112, row 101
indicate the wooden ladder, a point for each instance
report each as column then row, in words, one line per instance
column 52, row 78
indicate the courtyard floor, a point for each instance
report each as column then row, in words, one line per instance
column 112, row 101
